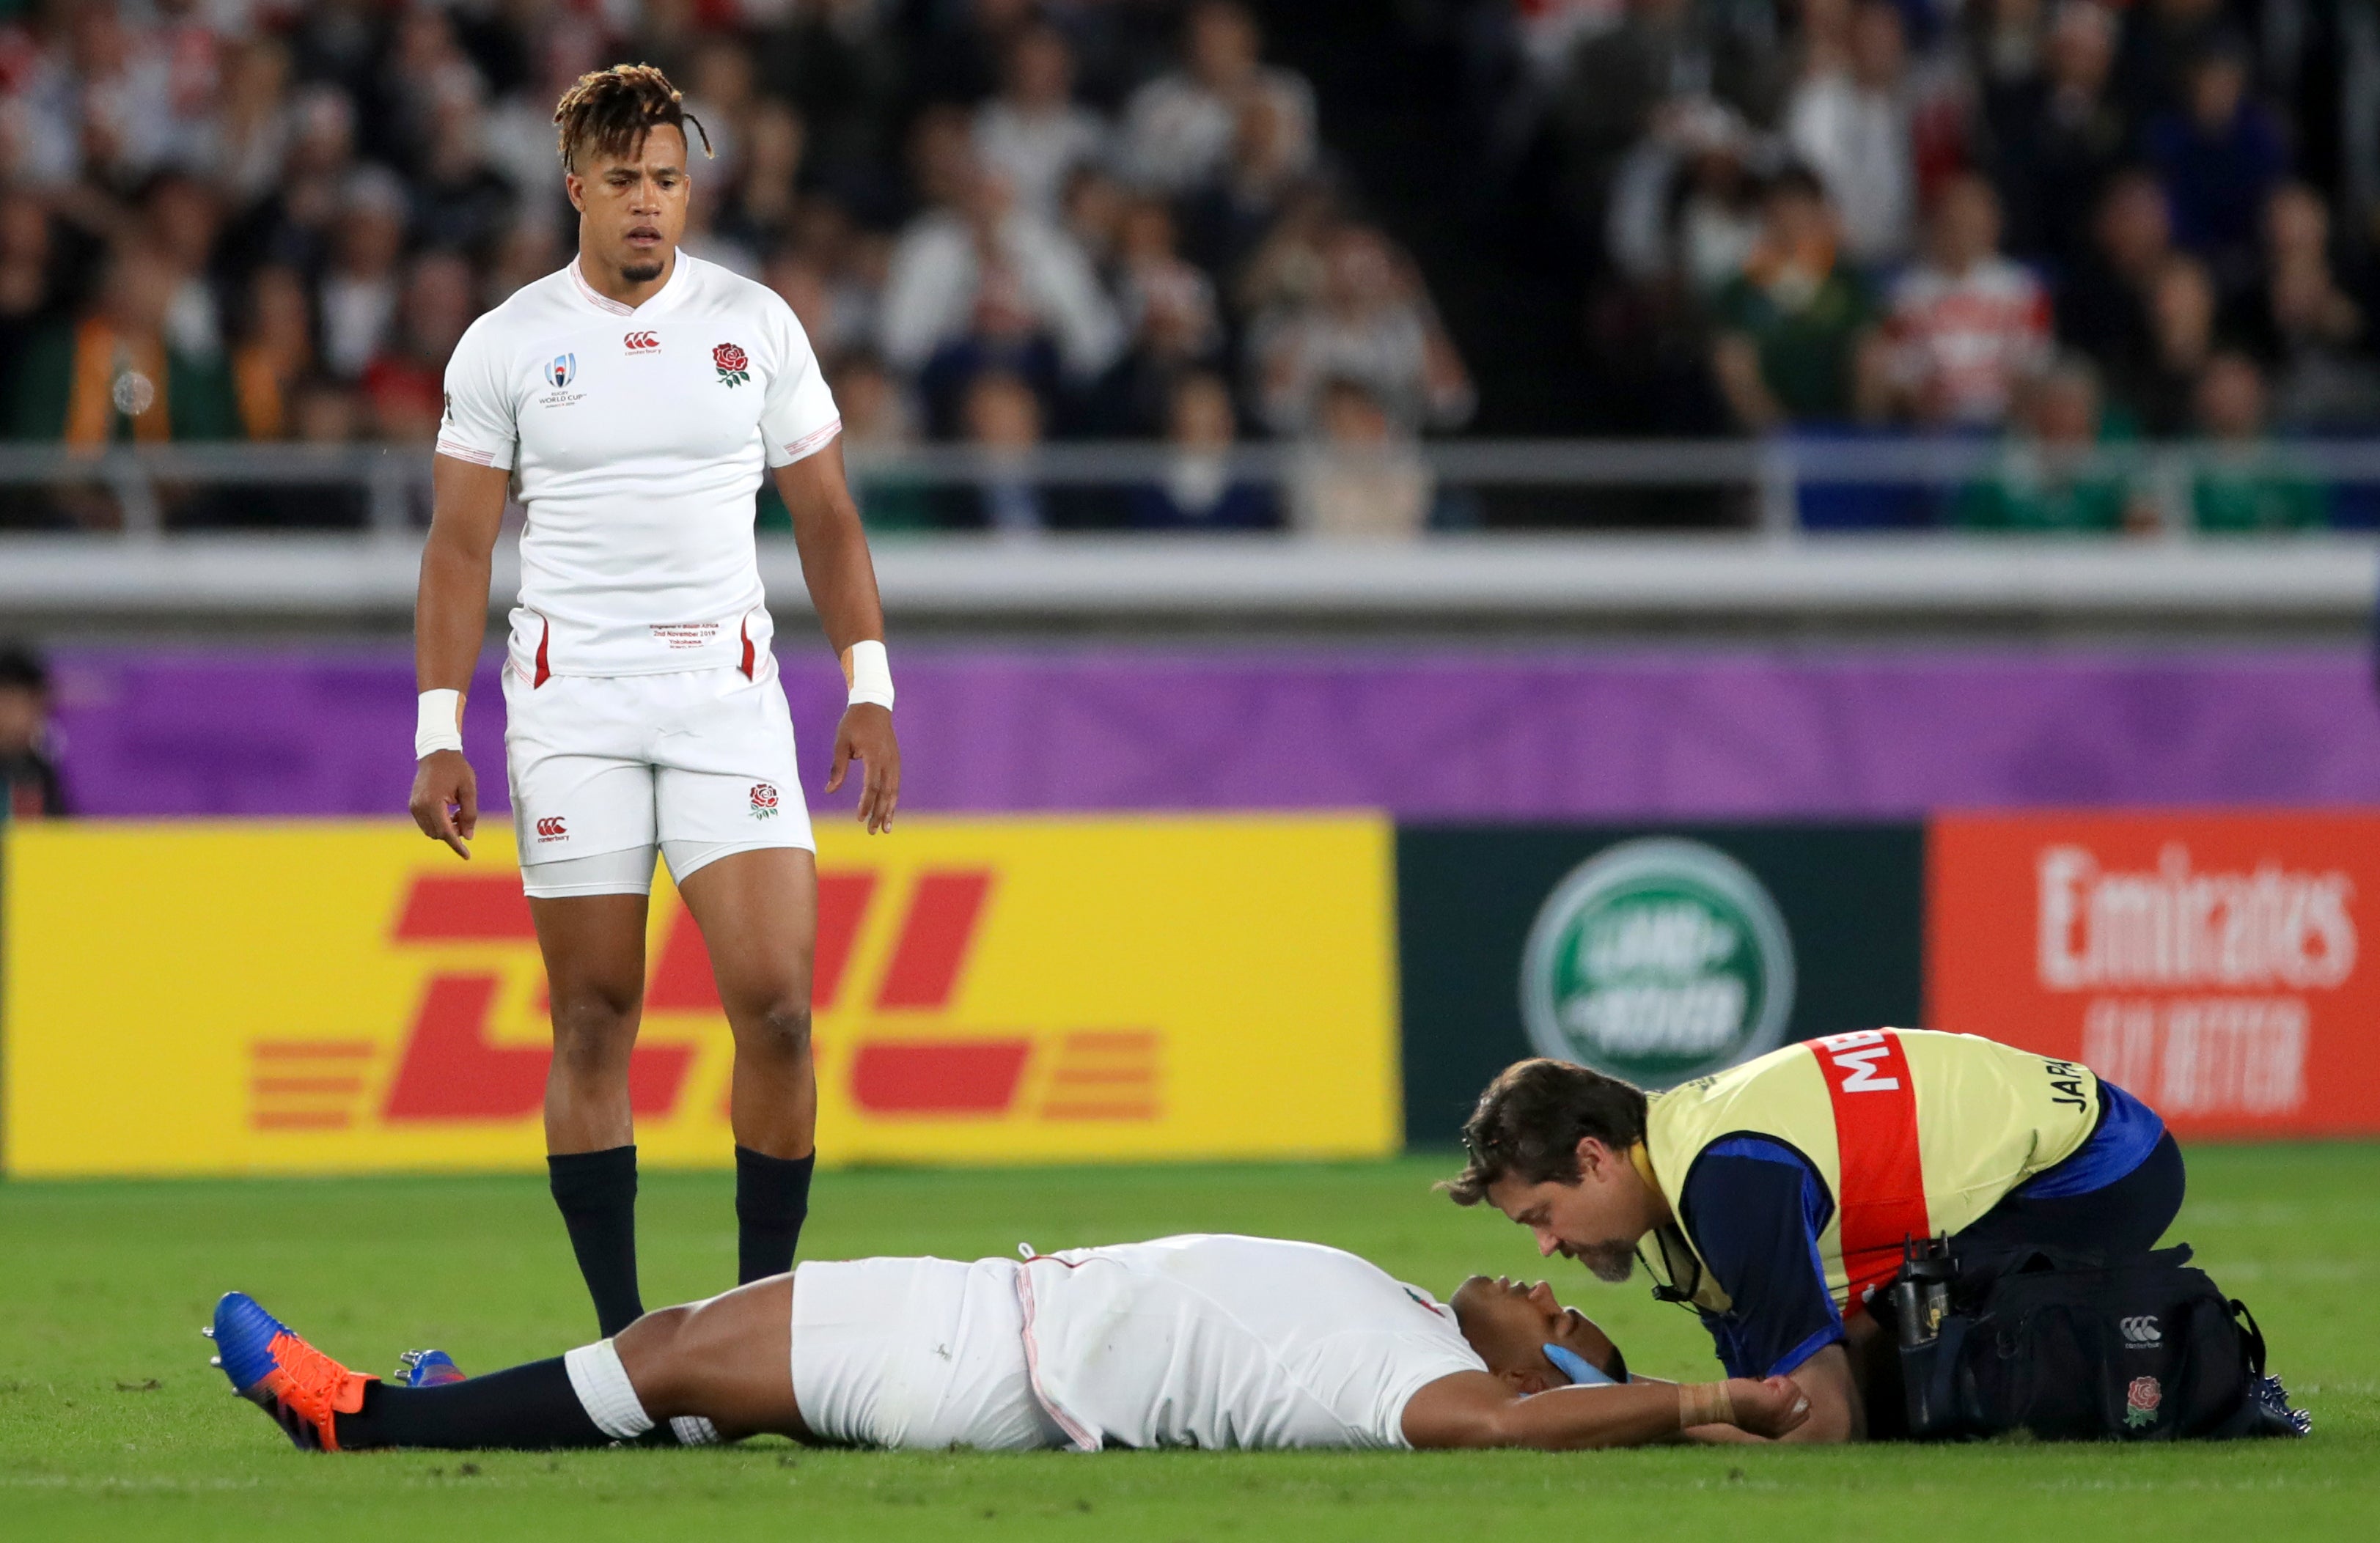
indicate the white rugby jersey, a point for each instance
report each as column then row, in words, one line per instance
column 636, row 437
column 1220, row 1341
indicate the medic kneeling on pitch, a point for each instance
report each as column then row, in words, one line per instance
column 1780, row 1193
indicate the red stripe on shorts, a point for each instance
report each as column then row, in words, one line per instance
column 1881, row 1200
column 544, row 640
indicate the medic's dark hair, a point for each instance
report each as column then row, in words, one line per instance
column 1531, row 1119
column 608, row 112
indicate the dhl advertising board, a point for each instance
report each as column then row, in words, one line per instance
column 247, row 999
column 2211, row 963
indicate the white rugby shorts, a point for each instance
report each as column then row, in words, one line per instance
column 921, row 1354
column 698, row 763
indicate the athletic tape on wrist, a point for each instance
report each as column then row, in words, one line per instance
column 869, row 673
column 437, row 722
column 605, row 1392
column 1704, row 1403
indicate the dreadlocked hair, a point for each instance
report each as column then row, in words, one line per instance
column 609, row 111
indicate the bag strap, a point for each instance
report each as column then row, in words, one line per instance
column 2255, row 1337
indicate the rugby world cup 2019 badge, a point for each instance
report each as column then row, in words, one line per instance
column 1657, row 960
column 764, row 801
column 733, row 368
column 2141, row 1401
column 559, row 371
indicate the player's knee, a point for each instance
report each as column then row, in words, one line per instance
column 779, row 1030
column 593, row 1034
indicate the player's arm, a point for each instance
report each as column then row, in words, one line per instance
column 842, row 580
column 1757, row 1208
column 450, row 620
column 1476, row 1409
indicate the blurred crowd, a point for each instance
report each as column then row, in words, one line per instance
column 1001, row 222
column 2070, row 225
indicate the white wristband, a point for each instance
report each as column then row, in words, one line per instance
column 869, row 673
column 439, row 723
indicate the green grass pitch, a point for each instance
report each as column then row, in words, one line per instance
column 112, row 1425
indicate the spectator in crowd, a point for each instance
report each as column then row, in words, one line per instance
column 1628, row 77
column 117, row 374
column 1198, row 491
column 879, row 422
column 30, row 787
column 404, row 382
column 1370, row 325
column 1178, row 128
column 2221, row 155
column 2163, row 40
column 1362, row 477
column 2104, row 307
column 327, row 415
column 986, row 285
column 2159, row 390
column 276, row 351
column 1854, row 127
column 1004, row 424
column 249, row 140
column 182, row 218
column 1968, row 327
column 1685, row 206
column 1033, row 133
column 2055, row 475
column 460, row 202
column 2052, row 135
column 360, row 292
column 2305, row 325
column 1168, row 308
column 2242, row 482
column 1229, row 217
column 763, row 201
column 1796, row 341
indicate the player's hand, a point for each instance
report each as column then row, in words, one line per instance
column 1768, row 1408
column 445, row 801
column 866, row 735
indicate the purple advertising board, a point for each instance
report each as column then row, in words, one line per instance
column 1424, row 734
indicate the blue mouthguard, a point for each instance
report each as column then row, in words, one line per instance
column 1576, row 1366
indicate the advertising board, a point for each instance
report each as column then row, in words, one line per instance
column 227, row 998
column 2210, row 962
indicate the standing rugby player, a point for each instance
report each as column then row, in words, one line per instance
column 632, row 400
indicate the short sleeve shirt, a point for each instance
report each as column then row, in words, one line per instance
column 637, row 437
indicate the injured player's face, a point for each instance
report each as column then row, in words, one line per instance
column 1510, row 1324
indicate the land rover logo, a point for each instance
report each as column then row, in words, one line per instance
column 1657, row 960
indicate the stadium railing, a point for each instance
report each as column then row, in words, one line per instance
column 1749, row 544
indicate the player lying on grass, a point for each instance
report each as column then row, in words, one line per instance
column 1205, row 1341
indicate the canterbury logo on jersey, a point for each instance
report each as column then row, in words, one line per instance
column 550, row 829
column 643, row 343
column 2141, row 1331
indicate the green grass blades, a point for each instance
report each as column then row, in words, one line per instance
column 112, row 1426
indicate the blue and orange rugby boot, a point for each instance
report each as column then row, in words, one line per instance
column 427, row 1368
column 303, row 1390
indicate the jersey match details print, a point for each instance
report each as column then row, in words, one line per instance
column 733, row 368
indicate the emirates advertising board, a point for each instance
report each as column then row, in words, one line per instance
column 2211, row 963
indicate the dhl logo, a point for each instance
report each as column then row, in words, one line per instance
column 907, row 1060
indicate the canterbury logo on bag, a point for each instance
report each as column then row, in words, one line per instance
column 2141, row 1330
column 643, row 343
